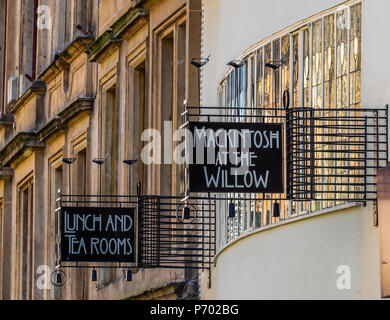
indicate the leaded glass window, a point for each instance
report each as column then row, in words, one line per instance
column 320, row 66
column 295, row 58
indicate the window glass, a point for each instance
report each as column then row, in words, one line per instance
column 286, row 63
column 355, row 81
column 232, row 89
column 295, row 57
column 355, row 55
column 342, row 61
column 24, row 240
column 317, row 64
column 229, row 91
column 27, row 56
column 252, row 94
column 268, row 78
column 317, row 100
column 285, row 83
column 276, row 75
column 341, row 96
column 237, row 73
column 306, row 68
column 259, row 78
column 329, row 61
column 321, row 68
column 329, row 97
column 242, row 88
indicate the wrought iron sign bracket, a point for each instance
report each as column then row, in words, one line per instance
column 330, row 154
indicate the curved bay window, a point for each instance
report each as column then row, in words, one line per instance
column 319, row 63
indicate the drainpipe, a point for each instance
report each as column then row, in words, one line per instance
column 31, row 77
column 4, row 54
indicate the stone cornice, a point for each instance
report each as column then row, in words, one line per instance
column 7, row 120
column 37, row 88
column 6, row 172
column 52, row 127
column 58, row 124
column 127, row 20
column 76, row 107
column 65, row 57
column 109, row 40
column 22, row 142
column 105, row 44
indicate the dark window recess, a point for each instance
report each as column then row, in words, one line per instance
column 30, row 45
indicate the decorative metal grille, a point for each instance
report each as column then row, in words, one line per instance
column 334, row 154
column 168, row 239
column 168, row 236
column 331, row 154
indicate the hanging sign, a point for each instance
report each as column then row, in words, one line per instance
column 97, row 234
column 235, row 157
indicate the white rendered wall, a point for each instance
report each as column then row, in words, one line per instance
column 296, row 260
column 299, row 260
column 375, row 53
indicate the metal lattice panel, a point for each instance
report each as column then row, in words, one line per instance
column 168, row 235
column 169, row 239
column 334, row 154
column 331, row 154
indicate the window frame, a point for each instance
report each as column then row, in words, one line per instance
column 25, row 272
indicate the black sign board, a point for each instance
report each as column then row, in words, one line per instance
column 97, row 234
column 236, row 157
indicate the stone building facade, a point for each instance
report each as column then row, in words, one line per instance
column 79, row 79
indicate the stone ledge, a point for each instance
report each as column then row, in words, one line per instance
column 6, row 172
column 52, row 127
column 110, row 39
column 65, row 57
column 23, row 144
column 57, row 124
column 127, row 20
column 7, row 120
column 183, row 290
column 106, row 42
column 76, row 107
column 37, row 88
